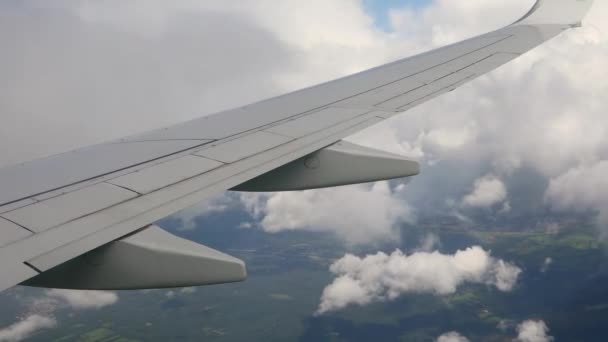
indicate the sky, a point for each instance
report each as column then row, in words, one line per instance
column 530, row 138
column 380, row 10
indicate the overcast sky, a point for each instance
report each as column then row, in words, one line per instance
column 528, row 138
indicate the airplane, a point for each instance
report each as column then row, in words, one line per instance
column 85, row 219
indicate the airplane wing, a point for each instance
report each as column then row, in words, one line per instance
column 83, row 219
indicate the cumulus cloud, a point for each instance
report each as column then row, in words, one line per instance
column 41, row 310
column 381, row 277
column 25, row 328
column 218, row 204
column 582, row 188
column 356, row 214
column 487, row 191
column 452, row 337
column 84, row 299
column 533, row 331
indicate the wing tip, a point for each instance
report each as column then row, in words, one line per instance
column 557, row 12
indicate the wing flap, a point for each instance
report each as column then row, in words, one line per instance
column 237, row 149
column 162, row 175
column 11, row 232
column 403, row 100
column 61, row 209
column 50, row 176
column 311, row 123
column 14, row 272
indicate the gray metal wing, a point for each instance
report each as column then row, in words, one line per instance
column 56, row 209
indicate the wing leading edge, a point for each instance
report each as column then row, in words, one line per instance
column 103, row 193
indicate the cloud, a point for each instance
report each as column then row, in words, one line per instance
column 546, row 264
column 441, row 22
column 533, row 331
column 188, row 290
column 82, row 72
column 528, row 331
column 25, row 328
column 381, row 277
column 84, row 299
column 429, row 243
column 504, row 325
column 530, row 122
column 356, row 214
column 582, row 188
column 452, row 337
column 41, row 310
column 217, row 204
column 487, row 191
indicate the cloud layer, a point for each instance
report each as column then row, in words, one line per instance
column 381, row 277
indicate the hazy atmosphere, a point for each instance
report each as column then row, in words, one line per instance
column 518, row 155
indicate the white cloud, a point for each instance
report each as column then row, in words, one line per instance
column 188, row 290
column 217, row 204
column 429, row 243
column 84, row 299
column 41, row 310
column 582, row 188
column 382, row 277
column 452, row 337
column 25, row 328
column 356, row 214
column 504, row 325
column 505, row 275
column 546, row 264
column 70, row 87
column 533, row 331
column 487, row 191
column 443, row 21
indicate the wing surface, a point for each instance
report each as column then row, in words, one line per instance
column 55, row 209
